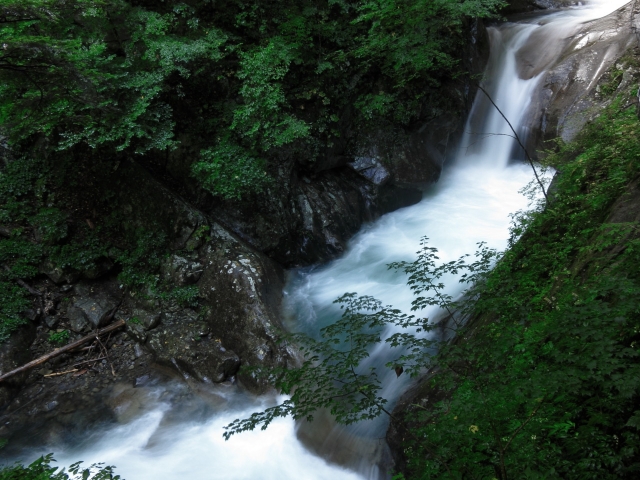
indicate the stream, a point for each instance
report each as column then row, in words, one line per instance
column 472, row 202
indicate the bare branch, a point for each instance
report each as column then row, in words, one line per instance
column 526, row 152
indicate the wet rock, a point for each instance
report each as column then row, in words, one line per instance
column 371, row 169
column 183, row 343
column 137, row 332
column 306, row 219
column 569, row 95
column 92, row 312
column 242, row 290
column 180, row 271
column 147, row 319
column 137, row 351
column 418, row 160
column 51, row 321
column 141, row 381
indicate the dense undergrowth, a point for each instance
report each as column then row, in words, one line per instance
column 542, row 379
column 547, row 385
column 247, row 84
column 41, row 469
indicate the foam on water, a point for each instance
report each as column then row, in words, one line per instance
column 150, row 447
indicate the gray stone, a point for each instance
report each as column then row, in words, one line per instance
column 141, row 381
column 181, row 346
column 137, row 332
column 51, row 321
column 371, row 169
column 96, row 308
column 78, row 320
column 149, row 320
column 242, row 291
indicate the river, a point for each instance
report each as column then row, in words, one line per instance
column 472, row 202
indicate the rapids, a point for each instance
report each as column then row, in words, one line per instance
column 472, row 202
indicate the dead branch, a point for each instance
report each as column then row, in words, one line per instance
column 106, row 355
column 526, row 152
column 88, row 361
column 66, row 348
column 57, row 374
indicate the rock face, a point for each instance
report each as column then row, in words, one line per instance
column 316, row 208
column 590, row 70
column 242, row 292
column 309, row 218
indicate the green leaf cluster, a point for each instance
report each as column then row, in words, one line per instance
column 41, row 469
column 248, row 84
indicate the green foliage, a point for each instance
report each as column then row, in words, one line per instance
column 229, row 171
column 331, row 370
column 14, row 302
column 60, row 72
column 139, row 261
column 249, row 83
column 59, row 338
column 41, row 469
column 543, row 378
column 185, row 296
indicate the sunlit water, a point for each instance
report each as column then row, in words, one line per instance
column 471, row 203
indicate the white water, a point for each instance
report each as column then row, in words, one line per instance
column 471, row 203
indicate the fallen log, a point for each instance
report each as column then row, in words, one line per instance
column 61, row 350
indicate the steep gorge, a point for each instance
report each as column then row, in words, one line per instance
column 236, row 255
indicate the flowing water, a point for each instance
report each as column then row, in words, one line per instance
column 472, row 202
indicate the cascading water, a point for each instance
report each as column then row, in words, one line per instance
column 471, row 203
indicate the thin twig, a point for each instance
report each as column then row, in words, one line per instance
column 529, row 159
column 531, row 415
column 57, row 374
column 88, row 361
column 106, row 354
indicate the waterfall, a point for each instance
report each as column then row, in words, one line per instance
column 472, row 202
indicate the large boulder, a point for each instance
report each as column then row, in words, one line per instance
column 184, row 343
column 584, row 80
column 242, row 292
column 94, row 305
